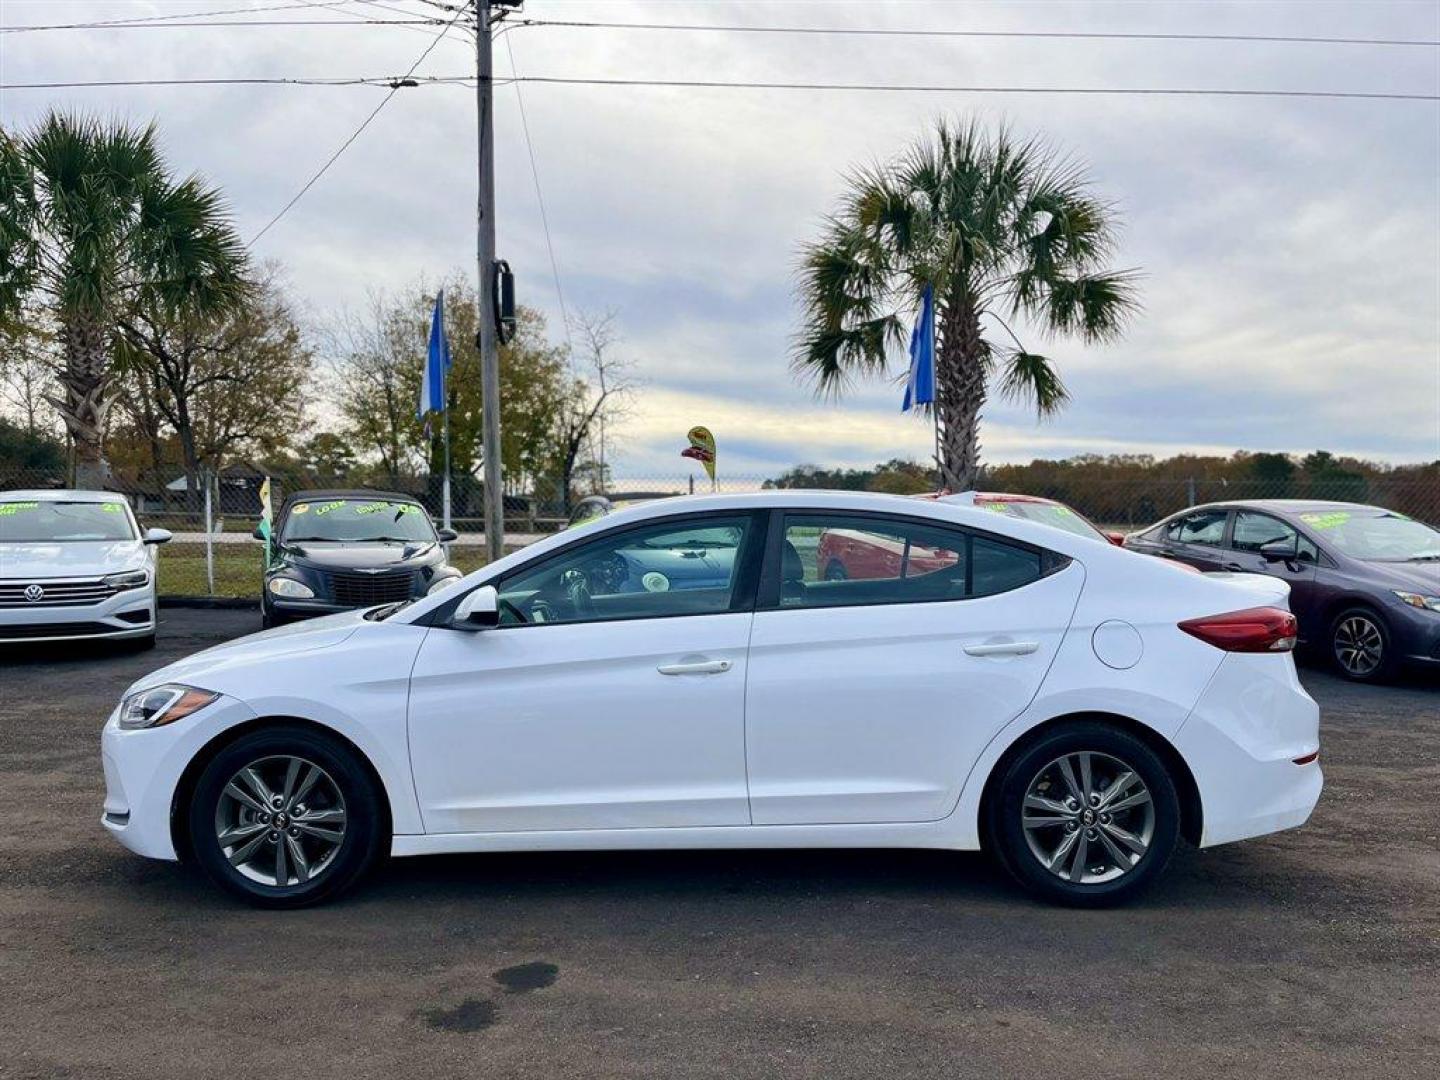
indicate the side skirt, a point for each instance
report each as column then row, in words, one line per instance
column 934, row 834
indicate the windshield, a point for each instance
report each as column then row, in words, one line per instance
column 357, row 520
column 1060, row 517
column 1381, row 537
column 42, row 522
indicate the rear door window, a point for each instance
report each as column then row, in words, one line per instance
column 831, row 560
column 1206, row 528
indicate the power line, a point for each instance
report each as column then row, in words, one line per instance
column 539, row 197
column 230, row 23
column 409, row 80
column 1141, row 91
column 178, row 15
column 394, row 89
column 1287, row 39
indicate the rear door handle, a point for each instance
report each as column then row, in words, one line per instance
column 1003, row 648
column 1235, row 567
column 698, row 667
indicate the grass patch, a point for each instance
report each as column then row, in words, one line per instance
column 238, row 568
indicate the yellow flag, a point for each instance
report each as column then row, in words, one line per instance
column 702, row 449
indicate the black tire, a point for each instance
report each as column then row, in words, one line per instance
column 269, row 621
column 1007, row 835
column 364, row 836
column 835, row 571
column 1351, row 663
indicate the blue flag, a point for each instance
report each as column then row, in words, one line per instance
column 920, row 387
column 437, row 362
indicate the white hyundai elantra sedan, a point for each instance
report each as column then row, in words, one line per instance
column 680, row 675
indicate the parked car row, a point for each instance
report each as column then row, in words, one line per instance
column 1364, row 581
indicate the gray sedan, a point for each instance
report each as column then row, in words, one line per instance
column 1364, row 581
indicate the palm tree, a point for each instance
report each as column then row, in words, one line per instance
column 1001, row 228
column 92, row 224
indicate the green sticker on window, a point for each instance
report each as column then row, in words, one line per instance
column 111, row 508
column 325, row 508
column 11, row 509
column 1330, row 520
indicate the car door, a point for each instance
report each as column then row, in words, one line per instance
column 1253, row 530
column 868, row 699
column 610, row 697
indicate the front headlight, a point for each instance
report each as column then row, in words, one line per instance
column 1414, row 599
column 440, row 584
column 128, row 579
column 162, row 705
column 291, row 589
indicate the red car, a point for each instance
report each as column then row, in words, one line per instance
column 855, row 554
column 1033, row 508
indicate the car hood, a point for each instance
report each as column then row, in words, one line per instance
column 1420, row 577
column 361, row 556
column 89, row 558
column 228, row 668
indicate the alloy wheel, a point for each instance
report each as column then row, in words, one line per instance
column 1088, row 817
column 1359, row 645
column 280, row 821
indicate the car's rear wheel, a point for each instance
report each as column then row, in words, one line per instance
column 1087, row 815
column 285, row 817
column 1360, row 645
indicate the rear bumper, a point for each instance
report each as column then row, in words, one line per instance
column 1242, row 741
column 128, row 614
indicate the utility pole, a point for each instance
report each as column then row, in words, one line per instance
column 485, row 258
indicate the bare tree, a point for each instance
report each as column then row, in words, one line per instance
column 219, row 383
column 27, row 370
column 372, row 366
column 596, row 395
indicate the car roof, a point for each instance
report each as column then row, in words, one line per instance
column 348, row 493
column 1284, row 506
column 62, row 495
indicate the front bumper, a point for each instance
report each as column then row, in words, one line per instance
column 143, row 769
column 1242, row 740
column 1416, row 634
column 127, row 614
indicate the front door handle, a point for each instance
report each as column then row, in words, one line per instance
column 1003, row 648
column 1234, row 567
column 698, row 667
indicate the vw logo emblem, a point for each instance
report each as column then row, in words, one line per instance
column 34, row 593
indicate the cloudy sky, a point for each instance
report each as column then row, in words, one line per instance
column 1290, row 247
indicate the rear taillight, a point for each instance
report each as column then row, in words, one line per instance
column 1261, row 629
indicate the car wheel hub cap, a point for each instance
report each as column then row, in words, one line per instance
column 1088, row 818
column 1359, row 645
column 280, row 821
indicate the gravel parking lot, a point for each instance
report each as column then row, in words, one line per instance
column 1308, row 954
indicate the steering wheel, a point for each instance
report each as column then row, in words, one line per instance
column 577, row 591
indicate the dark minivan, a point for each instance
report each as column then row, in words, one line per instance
column 1364, row 581
column 338, row 550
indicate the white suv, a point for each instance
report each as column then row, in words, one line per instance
column 74, row 564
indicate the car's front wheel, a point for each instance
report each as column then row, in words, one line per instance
column 286, row 816
column 1087, row 815
column 1360, row 645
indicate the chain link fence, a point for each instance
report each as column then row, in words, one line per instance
column 542, row 505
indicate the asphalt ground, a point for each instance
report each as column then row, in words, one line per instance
column 1310, row 954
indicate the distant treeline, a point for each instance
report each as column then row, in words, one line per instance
column 1134, row 489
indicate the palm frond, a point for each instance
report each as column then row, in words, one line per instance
column 1030, row 377
column 1097, row 307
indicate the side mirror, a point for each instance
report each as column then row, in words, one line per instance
column 447, row 536
column 1280, row 551
column 479, row 610
column 156, row 536
column 1116, row 538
